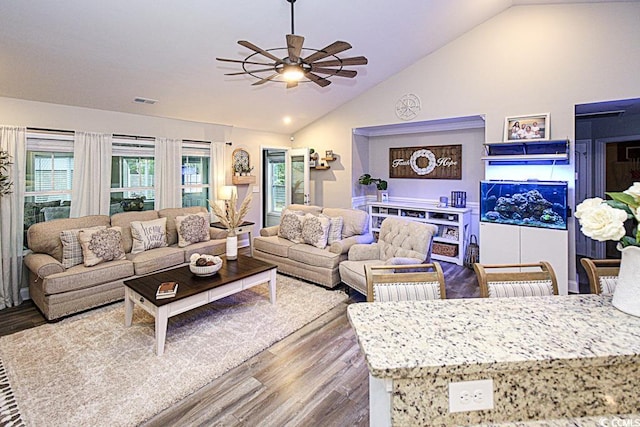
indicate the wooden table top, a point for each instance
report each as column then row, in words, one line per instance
column 189, row 284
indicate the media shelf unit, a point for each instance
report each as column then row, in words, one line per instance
column 450, row 242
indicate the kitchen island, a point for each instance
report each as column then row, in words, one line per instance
column 555, row 357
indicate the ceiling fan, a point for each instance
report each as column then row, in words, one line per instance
column 294, row 68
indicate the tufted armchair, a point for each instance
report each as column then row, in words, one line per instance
column 400, row 242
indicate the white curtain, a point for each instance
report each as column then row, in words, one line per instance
column 90, row 193
column 12, row 140
column 218, row 168
column 168, row 176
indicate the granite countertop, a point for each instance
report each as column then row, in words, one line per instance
column 417, row 338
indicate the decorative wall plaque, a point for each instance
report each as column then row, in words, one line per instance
column 436, row 162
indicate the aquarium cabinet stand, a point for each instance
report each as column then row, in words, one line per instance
column 449, row 243
column 515, row 244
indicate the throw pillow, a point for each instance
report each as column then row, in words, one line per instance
column 148, row 234
column 192, row 228
column 101, row 245
column 291, row 225
column 315, row 230
column 71, row 247
column 335, row 229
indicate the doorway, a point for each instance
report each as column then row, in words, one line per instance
column 607, row 159
column 285, row 178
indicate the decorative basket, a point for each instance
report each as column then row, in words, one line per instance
column 205, row 270
column 445, row 249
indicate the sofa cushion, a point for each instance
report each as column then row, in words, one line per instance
column 101, row 245
column 171, row 214
column 352, row 273
column 311, row 255
column 71, row 247
column 79, row 276
column 315, row 230
column 192, row 228
column 355, row 221
column 156, row 259
column 148, row 235
column 124, row 219
column 274, row 245
column 335, row 229
column 291, row 224
column 210, row 247
column 44, row 237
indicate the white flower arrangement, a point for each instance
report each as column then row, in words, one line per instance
column 604, row 220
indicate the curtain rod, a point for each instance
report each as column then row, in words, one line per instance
column 30, row 129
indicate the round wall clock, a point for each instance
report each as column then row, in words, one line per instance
column 408, row 106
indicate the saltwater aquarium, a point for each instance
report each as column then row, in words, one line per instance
column 540, row 204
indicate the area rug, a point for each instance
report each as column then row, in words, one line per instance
column 91, row 370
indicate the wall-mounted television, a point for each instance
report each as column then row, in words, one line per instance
column 540, row 204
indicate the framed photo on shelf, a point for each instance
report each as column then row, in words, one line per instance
column 384, row 197
column 328, row 154
column 531, row 127
column 450, row 233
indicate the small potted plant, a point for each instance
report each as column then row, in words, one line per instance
column 381, row 184
column 237, row 169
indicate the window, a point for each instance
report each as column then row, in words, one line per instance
column 132, row 174
column 276, row 181
column 196, row 173
column 49, row 175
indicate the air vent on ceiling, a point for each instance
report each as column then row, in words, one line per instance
column 141, row 100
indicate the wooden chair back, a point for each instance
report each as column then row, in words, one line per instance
column 508, row 280
column 404, row 282
column 602, row 273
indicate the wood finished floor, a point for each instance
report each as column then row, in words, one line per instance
column 315, row 376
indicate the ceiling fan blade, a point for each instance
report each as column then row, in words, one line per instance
column 249, row 72
column 294, row 45
column 266, row 79
column 255, row 48
column 342, row 73
column 240, row 61
column 332, row 49
column 320, row 81
column 356, row 60
column 291, row 84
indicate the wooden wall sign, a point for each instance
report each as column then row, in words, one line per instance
column 436, row 162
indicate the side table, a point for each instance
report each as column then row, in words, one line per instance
column 245, row 227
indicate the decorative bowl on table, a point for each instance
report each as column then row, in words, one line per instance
column 204, row 265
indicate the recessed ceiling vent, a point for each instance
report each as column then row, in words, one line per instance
column 141, row 100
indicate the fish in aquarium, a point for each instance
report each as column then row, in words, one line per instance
column 538, row 204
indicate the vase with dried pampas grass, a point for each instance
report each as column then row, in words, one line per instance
column 231, row 217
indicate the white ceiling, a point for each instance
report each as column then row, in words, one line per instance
column 103, row 54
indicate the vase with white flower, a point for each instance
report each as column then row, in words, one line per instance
column 604, row 220
column 231, row 216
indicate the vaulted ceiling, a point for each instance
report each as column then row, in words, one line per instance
column 103, row 54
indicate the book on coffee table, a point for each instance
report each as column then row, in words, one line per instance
column 167, row 290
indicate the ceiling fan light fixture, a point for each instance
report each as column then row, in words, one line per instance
column 292, row 73
column 300, row 65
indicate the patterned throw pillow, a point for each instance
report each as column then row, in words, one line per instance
column 101, row 245
column 193, row 228
column 291, row 225
column 148, row 234
column 71, row 247
column 335, row 229
column 315, row 230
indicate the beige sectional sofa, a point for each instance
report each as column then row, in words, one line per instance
column 305, row 261
column 60, row 291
